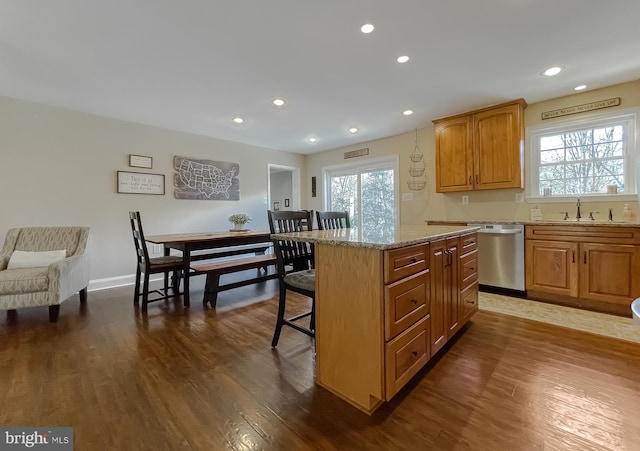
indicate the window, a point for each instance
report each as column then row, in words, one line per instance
column 368, row 191
column 583, row 158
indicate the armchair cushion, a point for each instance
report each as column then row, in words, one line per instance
column 25, row 259
column 24, row 280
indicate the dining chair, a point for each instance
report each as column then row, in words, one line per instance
column 295, row 268
column 156, row 265
column 333, row 220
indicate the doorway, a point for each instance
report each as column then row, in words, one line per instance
column 283, row 187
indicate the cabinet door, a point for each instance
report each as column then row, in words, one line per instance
column 552, row 267
column 454, row 157
column 609, row 272
column 437, row 268
column 452, row 293
column 498, row 147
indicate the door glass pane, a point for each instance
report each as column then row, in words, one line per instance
column 343, row 195
column 368, row 194
column 378, row 204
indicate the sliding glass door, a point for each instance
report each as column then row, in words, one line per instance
column 368, row 191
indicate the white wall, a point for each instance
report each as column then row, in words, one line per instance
column 59, row 168
column 491, row 205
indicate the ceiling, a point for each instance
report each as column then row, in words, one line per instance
column 192, row 65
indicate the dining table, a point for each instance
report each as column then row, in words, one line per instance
column 223, row 243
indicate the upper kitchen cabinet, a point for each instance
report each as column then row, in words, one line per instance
column 481, row 149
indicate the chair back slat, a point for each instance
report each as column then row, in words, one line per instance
column 295, row 254
column 142, row 253
column 333, row 220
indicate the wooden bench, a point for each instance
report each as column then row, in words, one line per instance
column 231, row 251
column 215, row 270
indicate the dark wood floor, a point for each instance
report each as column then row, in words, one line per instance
column 195, row 379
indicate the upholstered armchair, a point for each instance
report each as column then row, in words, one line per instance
column 43, row 266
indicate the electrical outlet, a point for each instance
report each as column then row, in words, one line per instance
column 407, row 196
column 264, row 200
column 465, row 200
column 519, row 197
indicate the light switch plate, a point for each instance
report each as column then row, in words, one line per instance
column 519, row 197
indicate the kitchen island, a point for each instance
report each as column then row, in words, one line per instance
column 386, row 302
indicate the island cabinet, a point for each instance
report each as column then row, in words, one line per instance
column 594, row 267
column 454, row 287
column 481, row 149
column 374, row 313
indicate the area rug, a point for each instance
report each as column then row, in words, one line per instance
column 596, row 323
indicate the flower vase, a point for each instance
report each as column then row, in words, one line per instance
column 238, row 227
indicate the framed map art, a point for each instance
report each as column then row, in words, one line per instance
column 205, row 179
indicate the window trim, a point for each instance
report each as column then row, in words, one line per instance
column 365, row 165
column 632, row 146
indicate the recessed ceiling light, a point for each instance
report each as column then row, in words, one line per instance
column 403, row 59
column 580, row 87
column 278, row 102
column 554, row 70
column 367, row 28
column 312, row 139
column 407, row 112
column 353, row 130
column 238, row 120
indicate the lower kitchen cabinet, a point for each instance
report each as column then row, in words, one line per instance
column 594, row 267
column 551, row 267
column 376, row 312
column 454, row 287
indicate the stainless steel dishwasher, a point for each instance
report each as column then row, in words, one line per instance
column 501, row 256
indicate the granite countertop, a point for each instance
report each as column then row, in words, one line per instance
column 568, row 222
column 378, row 239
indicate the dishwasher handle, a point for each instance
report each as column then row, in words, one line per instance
column 500, row 231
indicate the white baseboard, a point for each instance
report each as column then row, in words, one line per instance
column 119, row 281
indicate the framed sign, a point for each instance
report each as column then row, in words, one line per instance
column 140, row 161
column 140, row 183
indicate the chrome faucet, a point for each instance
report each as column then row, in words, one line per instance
column 578, row 212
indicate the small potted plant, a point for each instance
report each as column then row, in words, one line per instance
column 239, row 220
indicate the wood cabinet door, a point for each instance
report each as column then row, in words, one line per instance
column 498, row 147
column 452, row 294
column 454, row 155
column 437, row 269
column 551, row 267
column 609, row 272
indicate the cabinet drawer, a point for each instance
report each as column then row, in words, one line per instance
column 584, row 234
column 402, row 262
column 469, row 302
column 405, row 355
column 468, row 269
column 406, row 301
column 468, row 243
